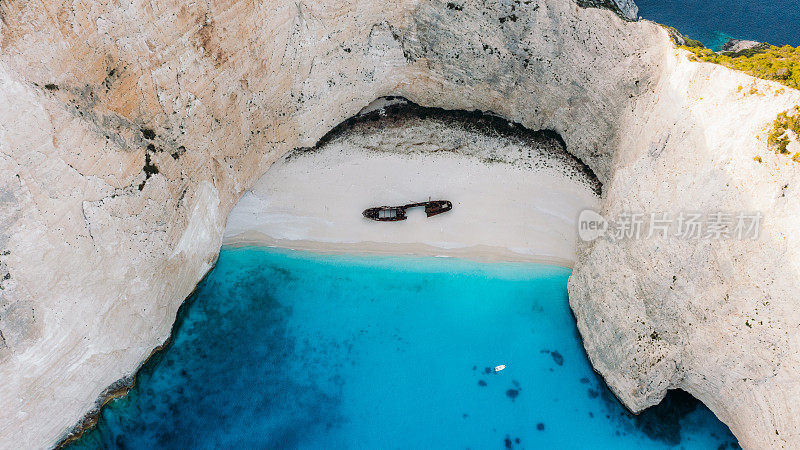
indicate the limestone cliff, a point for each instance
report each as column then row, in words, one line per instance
column 128, row 131
column 626, row 9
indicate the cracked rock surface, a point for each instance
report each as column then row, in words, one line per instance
column 128, row 132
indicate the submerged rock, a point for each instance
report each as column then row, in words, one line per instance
column 512, row 394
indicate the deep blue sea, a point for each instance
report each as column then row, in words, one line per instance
column 280, row 349
column 712, row 22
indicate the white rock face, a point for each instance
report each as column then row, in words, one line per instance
column 128, row 131
column 716, row 318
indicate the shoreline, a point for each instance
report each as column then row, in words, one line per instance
column 516, row 194
column 477, row 253
column 122, row 387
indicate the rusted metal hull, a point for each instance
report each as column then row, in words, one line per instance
column 385, row 213
column 396, row 213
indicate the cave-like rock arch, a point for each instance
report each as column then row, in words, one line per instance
column 127, row 142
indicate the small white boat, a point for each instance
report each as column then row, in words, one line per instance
column 499, row 368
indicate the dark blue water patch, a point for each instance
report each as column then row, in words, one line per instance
column 280, row 349
column 713, row 22
column 233, row 338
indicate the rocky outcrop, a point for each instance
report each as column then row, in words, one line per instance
column 128, row 131
column 738, row 45
column 626, row 9
column 629, row 9
column 715, row 317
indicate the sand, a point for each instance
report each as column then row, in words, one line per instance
column 313, row 200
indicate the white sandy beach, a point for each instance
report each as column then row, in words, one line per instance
column 501, row 211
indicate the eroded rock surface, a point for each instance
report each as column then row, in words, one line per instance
column 128, row 131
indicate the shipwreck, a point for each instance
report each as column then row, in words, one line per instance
column 395, row 213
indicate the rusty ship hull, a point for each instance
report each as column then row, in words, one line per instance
column 397, row 213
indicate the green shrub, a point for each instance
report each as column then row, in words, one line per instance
column 781, row 64
column 777, row 139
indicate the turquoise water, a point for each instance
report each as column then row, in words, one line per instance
column 280, row 349
column 712, row 22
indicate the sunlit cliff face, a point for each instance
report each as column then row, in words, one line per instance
column 131, row 130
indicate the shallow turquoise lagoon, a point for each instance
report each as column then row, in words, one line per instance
column 280, row 349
